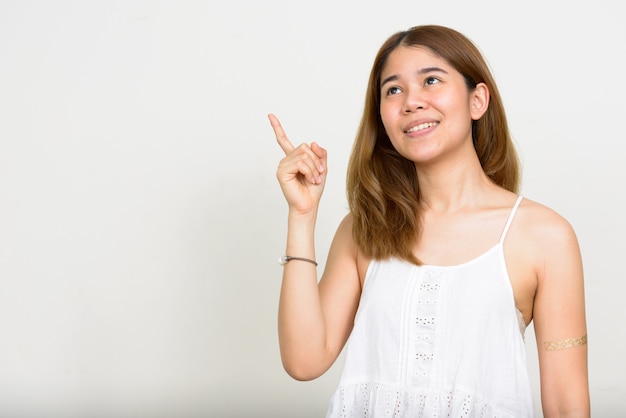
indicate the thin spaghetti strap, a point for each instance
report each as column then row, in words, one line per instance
column 510, row 220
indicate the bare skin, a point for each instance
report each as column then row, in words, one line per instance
column 463, row 216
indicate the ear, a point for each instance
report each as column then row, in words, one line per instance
column 479, row 101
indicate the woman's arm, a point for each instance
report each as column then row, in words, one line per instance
column 314, row 321
column 559, row 319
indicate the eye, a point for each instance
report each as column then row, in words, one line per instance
column 392, row 90
column 431, row 80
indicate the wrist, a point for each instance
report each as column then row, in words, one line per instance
column 297, row 217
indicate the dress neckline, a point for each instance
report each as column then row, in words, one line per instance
column 479, row 257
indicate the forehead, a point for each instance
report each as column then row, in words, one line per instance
column 412, row 58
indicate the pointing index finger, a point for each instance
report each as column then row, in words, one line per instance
column 281, row 136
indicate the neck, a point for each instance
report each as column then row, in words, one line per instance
column 450, row 187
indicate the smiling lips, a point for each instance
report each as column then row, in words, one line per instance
column 420, row 127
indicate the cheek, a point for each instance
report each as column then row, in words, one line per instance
column 386, row 115
column 458, row 111
column 446, row 103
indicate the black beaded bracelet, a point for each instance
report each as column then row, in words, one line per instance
column 282, row 260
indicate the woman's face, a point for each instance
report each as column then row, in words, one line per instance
column 426, row 107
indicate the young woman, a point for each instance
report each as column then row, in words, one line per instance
column 440, row 265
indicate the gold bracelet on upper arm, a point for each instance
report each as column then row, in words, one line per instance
column 563, row 344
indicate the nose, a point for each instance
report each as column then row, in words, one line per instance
column 414, row 100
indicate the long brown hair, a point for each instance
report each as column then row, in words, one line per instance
column 382, row 186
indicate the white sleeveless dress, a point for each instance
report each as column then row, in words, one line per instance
column 436, row 341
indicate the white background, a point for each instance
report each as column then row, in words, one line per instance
column 140, row 218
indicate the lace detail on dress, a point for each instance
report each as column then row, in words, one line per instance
column 386, row 401
column 425, row 325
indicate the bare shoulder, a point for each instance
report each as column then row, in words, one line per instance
column 544, row 237
column 543, row 258
column 345, row 226
column 344, row 238
column 343, row 245
column 543, row 225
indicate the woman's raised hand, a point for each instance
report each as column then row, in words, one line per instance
column 302, row 173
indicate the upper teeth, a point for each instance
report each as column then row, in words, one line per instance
column 420, row 127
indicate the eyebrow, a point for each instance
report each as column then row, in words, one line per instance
column 420, row 72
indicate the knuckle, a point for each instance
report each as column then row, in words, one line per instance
column 302, row 165
column 303, row 148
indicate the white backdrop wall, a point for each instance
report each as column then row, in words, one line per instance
column 140, row 218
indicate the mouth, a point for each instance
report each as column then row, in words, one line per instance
column 421, row 127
